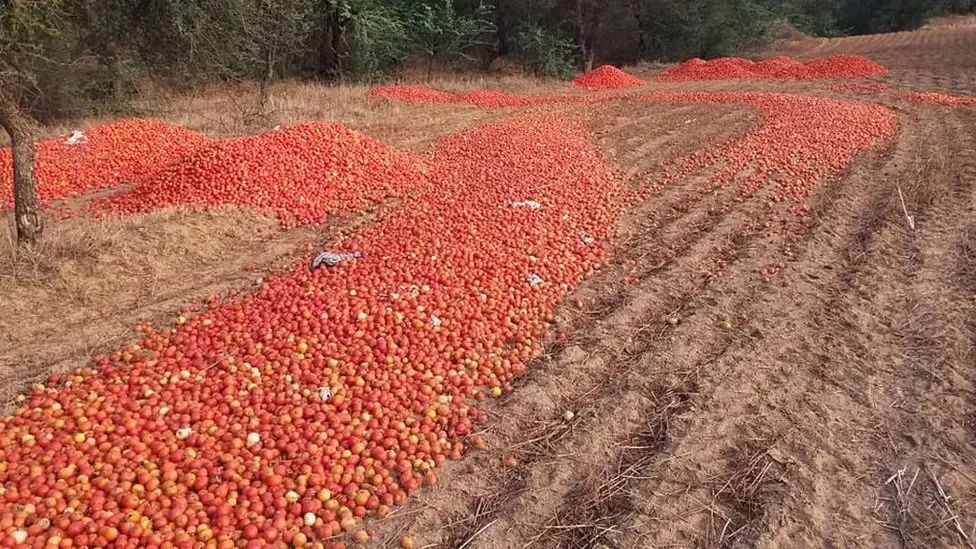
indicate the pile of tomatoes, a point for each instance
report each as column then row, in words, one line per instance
column 106, row 156
column 302, row 174
column 413, row 94
column 801, row 142
column 942, row 99
column 329, row 394
column 286, row 416
column 481, row 98
column 780, row 68
column 607, row 77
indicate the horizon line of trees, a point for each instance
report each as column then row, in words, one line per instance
column 64, row 58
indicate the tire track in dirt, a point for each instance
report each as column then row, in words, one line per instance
column 639, row 392
column 170, row 234
column 625, row 139
column 533, row 399
column 755, row 398
column 742, row 493
column 928, row 432
column 626, row 386
column 725, row 477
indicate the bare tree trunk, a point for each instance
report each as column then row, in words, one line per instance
column 338, row 28
column 501, row 31
column 587, row 28
column 581, row 35
column 635, row 10
column 27, row 211
column 263, row 92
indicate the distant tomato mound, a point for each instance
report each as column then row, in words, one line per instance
column 941, row 99
column 777, row 68
column 481, row 98
column 606, row 77
column 413, row 94
column 302, row 174
column 106, row 156
column 495, row 100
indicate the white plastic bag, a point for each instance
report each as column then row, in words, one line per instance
column 77, row 138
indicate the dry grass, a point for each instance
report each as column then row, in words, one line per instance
column 951, row 21
column 738, row 504
column 230, row 110
column 83, row 289
column 87, row 284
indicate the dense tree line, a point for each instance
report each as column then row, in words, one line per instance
column 61, row 58
column 85, row 52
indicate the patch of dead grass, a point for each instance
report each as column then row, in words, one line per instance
column 88, row 283
column 230, row 110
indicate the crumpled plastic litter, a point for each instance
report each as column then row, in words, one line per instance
column 325, row 393
column 586, row 238
column 331, row 259
column 434, row 321
column 534, row 279
column 77, row 138
column 531, row 204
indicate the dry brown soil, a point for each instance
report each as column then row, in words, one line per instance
column 831, row 407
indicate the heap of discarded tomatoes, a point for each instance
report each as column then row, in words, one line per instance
column 302, row 174
column 329, row 394
column 942, row 99
column 481, row 98
column 101, row 157
column 606, row 77
column 800, row 141
column 781, row 68
column 412, row 94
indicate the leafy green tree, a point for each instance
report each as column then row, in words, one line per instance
column 378, row 37
column 439, row 31
column 544, row 52
column 37, row 38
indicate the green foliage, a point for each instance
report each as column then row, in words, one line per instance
column 377, row 38
column 544, row 52
column 67, row 57
column 439, row 31
column 54, row 61
column 226, row 38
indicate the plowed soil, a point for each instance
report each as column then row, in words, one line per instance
column 831, row 405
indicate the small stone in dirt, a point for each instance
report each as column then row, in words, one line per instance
column 726, row 325
column 568, row 415
column 673, row 321
column 511, row 462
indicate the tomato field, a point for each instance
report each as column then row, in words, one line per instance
column 528, row 341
